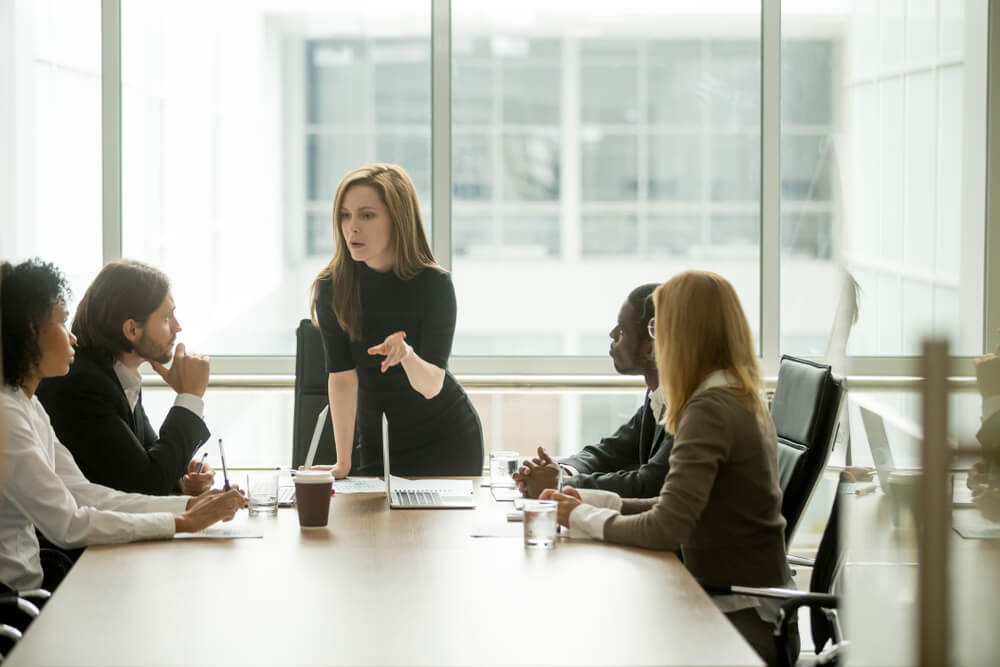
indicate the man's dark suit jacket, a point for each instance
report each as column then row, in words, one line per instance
column 113, row 445
column 633, row 462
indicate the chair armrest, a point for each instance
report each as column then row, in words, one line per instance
column 35, row 594
column 10, row 632
column 800, row 561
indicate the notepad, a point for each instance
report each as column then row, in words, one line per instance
column 221, row 533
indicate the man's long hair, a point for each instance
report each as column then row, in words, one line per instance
column 123, row 290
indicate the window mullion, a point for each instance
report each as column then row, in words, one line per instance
column 111, row 128
column 770, row 185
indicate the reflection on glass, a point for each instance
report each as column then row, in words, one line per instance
column 877, row 139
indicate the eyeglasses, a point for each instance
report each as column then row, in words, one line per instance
column 651, row 327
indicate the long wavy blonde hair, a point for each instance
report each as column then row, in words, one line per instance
column 410, row 249
column 700, row 328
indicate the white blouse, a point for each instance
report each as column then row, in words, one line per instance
column 43, row 487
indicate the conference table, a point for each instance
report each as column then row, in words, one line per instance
column 380, row 587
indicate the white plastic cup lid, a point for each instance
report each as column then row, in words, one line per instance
column 313, row 477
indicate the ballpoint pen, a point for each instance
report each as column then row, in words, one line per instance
column 201, row 464
column 225, row 474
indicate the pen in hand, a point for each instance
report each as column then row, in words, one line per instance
column 201, row 464
column 225, row 474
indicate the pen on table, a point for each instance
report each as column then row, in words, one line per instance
column 225, row 475
column 201, row 464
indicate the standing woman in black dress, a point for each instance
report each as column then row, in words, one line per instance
column 386, row 312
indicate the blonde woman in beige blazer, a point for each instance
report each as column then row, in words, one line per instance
column 720, row 504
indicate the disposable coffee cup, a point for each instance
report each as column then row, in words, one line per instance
column 312, row 497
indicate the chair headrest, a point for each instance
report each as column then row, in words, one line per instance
column 802, row 391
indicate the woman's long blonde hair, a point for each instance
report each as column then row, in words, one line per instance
column 410, row 250
column 700, row 328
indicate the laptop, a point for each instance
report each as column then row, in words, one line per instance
column 425, row 493
column 885, row 466
column 286, row 494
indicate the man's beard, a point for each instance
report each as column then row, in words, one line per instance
column 148, row 349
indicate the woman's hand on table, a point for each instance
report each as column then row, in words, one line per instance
column 568, row 499
column 208, row 508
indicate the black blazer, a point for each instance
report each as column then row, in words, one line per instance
column 113, row 445
column 633, row 462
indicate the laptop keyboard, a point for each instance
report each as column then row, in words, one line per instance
column 286, row 495
column 414, row 497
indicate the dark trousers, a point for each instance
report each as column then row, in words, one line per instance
column 760, row 635
column 454, row 449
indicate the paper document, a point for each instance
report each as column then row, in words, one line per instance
column 445, row 487
column 221, row 533
column 972, row 525
column 359, row 485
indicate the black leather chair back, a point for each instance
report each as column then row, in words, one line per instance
column 805, row 410
column 826, row 570
column 310, row 396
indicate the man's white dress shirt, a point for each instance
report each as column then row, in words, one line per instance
column 131, row 382
column 43, row 487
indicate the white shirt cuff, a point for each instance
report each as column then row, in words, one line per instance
column 569, row 471
column 991, row 406
column 588, row 521
column 156, row 526
column 191, row 402
column 601, row 498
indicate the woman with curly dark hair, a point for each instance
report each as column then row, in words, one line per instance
column 42, row 485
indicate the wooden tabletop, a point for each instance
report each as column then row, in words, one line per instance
column 380, row 587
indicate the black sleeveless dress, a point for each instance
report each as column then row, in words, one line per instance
column 439, row 436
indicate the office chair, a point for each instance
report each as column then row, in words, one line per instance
column 17, row 611
column 311, row 397
column 822, row 603
column 805, row 410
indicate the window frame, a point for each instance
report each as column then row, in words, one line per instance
column 900, row 368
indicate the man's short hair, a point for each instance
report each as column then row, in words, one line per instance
column 641, row 301
column 123, row 290
column 28, row 293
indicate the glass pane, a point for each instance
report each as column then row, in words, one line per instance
column 874, row 158
column 675, row 80
column 473, row 167
column 237, row 129
column 635, row 135
column 531, row 167
column 50, row 133
column 609, row 89
column 675, row 167
column 610, row 235
column 609, row 167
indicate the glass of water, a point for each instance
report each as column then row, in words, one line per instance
column 503, row 465
column 262, row 492
column 540, row 523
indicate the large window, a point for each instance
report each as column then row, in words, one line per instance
column 883, row 131
column 50, row 133
column 586, row 162
column 237, row 128
column 589, row 151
